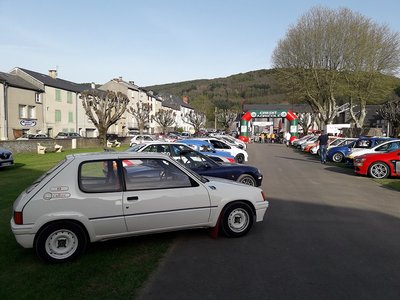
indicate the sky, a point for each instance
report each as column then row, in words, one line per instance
column 156, row 41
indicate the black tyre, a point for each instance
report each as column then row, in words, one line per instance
column 240, row 158
column 379, row 170
column 61, row 242
column 237, row 219
column 247, row 179
column 338, row 157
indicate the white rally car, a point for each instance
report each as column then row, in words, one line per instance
column 240, row 155
column 99, row 196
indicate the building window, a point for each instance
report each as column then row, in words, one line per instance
column 58, row 115
column 32, row 112
column 58, row 95
column 23, row 111
column 69, row 97
column 70, row 117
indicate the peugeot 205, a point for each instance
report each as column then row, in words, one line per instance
column 100, row 196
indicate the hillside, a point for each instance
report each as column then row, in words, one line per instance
column 255, row 87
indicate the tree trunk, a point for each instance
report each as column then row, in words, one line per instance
column 103, row 136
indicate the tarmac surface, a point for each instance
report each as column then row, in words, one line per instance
column 328, row 234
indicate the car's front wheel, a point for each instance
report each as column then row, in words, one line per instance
column 247, row 179
column 237, row 219
column 240, row 158
column 60, row 242
column 379, row 170
column 337, row 157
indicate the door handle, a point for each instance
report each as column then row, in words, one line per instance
column 133, row 198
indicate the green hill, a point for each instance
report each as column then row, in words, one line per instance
column 253, row 87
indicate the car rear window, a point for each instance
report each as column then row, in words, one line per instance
column 99, row 176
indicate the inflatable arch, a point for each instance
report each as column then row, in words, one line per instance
column 246, row 118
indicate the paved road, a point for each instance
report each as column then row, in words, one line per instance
column 327, row 235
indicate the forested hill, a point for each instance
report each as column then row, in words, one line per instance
column 255, row 87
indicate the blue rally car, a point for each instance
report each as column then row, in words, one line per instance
column 203, row 164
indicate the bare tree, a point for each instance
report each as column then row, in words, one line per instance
column 104, row 109
column 165, row 118
column 226, row 112
column 196, row 119
column 226, row 119
column 336, row 53
column 306, row 120
column 390, row 111
column 141, row 114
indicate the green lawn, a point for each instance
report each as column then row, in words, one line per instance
column 108, row 270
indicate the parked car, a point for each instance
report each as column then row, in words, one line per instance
column 208, row 149
column 6, row 158
column 185, row 135
column 230, row 139
column 240, row 155
column 385, row 146
column 202, row 164
column 297, row 143
column 138, row 139
column 94, row 197
column 111, row 137
column 68, row 135
column 378, row 165
column 339, row 154
column 31, row 136
column 333, row 142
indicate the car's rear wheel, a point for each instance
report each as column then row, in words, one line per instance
column 379, row 170
column 237, row 219
column 61, row 242
column 240, row 158
column 337, row 157
column 247, row 179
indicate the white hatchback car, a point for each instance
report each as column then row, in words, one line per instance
column 99, row 196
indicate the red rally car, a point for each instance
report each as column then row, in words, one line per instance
column 378, row 165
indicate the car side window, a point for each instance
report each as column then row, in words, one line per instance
column 99, row 176
column 149, row 174
column 157, row 148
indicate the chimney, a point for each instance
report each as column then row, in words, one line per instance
column 53, row 74
column 185, row 99
column 120, row 78
column 93, row 86
column 132, row 82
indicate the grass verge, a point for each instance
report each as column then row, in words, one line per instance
column 108, row 270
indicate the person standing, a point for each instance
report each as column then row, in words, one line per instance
column 322, row 142
column 287, row 138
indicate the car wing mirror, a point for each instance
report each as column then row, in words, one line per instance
column 206, row 165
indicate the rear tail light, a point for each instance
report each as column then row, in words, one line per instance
column 263, row 195
column 231, row 160
column 18, row 217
